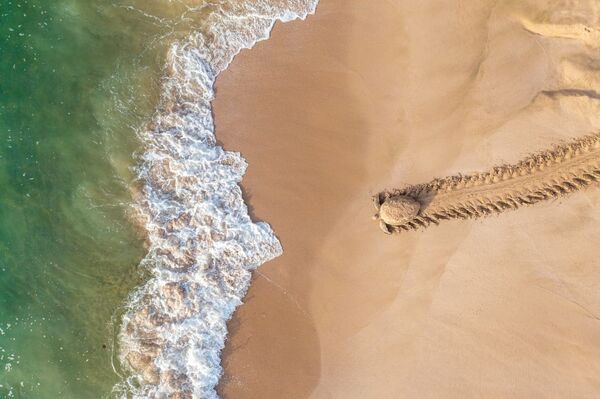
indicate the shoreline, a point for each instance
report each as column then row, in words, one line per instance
column 202, row 244
column 334, row 109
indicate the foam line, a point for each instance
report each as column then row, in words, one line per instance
column 202, row 243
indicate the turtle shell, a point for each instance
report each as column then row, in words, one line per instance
column 398, row 210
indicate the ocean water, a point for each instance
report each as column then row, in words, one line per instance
column 68, row 255
column 125, row 244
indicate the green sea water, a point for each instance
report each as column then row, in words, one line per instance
column 77, row 78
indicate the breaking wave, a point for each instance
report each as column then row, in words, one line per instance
column 202, row 243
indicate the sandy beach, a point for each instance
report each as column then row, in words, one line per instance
column 364, row 96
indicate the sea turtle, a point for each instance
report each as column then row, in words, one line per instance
column 394, row 210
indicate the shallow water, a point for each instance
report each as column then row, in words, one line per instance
column 76, row 78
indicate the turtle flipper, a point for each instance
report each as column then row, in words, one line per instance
column 384, row 227
column 377, row 201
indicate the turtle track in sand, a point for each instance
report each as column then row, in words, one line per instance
column 550, row 174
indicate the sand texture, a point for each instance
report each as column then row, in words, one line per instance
column 373, row 95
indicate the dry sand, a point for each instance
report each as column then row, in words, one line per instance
column 367, row 95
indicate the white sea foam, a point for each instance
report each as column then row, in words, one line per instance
column 203, row 244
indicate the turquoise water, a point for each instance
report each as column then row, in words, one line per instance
column 77, row 77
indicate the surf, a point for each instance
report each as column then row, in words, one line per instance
column 202, row 244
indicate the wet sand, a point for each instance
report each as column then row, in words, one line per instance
column 371, row 95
